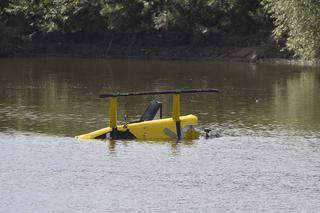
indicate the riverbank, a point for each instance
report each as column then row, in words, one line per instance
column 234, row 49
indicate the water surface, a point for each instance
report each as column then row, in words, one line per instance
column 267, row 158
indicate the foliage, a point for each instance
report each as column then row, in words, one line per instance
column 98, row 18
column 207, row 17
column 171, row 20
column 3, row 28
column 298, row 21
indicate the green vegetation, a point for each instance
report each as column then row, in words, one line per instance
column 296, row 22
column 95, row 19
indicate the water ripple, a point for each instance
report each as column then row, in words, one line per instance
column 57, row 174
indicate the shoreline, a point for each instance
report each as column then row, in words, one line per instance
column 262, row 53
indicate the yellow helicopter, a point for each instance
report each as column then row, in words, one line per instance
column 148, row 127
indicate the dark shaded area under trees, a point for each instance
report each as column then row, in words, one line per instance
column 115, row 26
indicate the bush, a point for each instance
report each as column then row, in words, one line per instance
column 298, row 22
column 93, row 20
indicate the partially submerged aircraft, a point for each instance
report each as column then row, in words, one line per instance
column 148, row 127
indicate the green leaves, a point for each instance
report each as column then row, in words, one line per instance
column 99, row 18
column 298, row 22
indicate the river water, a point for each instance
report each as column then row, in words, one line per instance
column 265, row 160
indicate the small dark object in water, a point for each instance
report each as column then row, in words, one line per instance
column 209, row 133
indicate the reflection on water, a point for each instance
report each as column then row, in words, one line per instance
column 297, row 101
column 59, row 96
column 267, row 159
